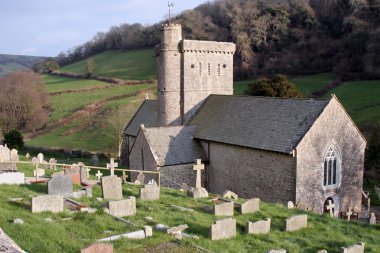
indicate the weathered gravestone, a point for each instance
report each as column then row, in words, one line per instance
column 290, row 205
column 12, row 178
column 98, row 248
column 250, row 206
column 296, row 222
column 121, row 208
column 40, row 172
column 47, row 203
column 60, row 185
column 140, row 179
column 372, row 219
column 95, row 160
column 27, row 156
column 229, row 195
column 224, row 209
column 111, row 188
column 7, row 245
column 223, row 229
column 44, row 165
column 5, row 153
column 34, row 160
column 357, row 248
column 53, row 164
column 40, row 157
column 199, row 191
column 258, row 227
column 14, row 155
column 150, row 192
column 73, row 172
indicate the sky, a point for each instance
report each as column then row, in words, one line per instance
column 48, row 27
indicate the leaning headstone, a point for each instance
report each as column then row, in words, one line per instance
column 223, row 229
column 229, row 195
column 60, row 185
column 53, row 164
column 98, row 248
column 290, row 205
column 296, row 222
column 258, row 227
column 111, row 188
column 47, row 203
column 250, row 206
column 95, row 160
column 121, row 208
column 277, row 251
column 12, row 178
column 372, row 219
column 224, row 209
column 150, row 192
column 357, row 248
column 14, row 155
column 40, row 157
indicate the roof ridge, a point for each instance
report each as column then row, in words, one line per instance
column 264, row 97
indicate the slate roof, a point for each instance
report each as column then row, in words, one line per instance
column 147, row 114
column 173, row 145
column 274, row 124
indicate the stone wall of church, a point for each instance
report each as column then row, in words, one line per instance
column 174, row 176
column 251, row 173
column 333, row 127
column 141, row 158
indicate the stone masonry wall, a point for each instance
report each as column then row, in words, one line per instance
column 175, row 176
column 141, row 158
column 251, row 173
column 332, row 127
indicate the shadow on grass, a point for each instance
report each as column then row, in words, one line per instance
column 37, row 188
column 21, row 204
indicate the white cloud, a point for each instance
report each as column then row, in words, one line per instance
column 29, row 51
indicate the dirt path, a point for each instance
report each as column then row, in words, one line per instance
column 87, row 110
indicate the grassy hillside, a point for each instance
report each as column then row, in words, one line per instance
column 309, row 84
column 361, row 99
column 69, row 232
column 9, row 63
column 58, row 83
column 129, row 65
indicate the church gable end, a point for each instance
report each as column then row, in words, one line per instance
column 330, row 161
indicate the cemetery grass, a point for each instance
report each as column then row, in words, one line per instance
column 69, row 232
column 127, row 65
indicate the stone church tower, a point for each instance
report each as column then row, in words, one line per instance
column 188, row 72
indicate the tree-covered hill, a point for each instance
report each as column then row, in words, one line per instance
column 272, row 36
column 10, row 63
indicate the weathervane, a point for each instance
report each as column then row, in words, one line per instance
column 170, row 5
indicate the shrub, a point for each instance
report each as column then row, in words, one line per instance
column 14, row 139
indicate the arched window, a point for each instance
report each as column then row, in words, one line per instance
column 331, row 167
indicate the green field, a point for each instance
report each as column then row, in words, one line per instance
column 312, row 83
column 69, row 232
column 129, row 65
column 241, row 86
column 361, row 99
column 58, row 83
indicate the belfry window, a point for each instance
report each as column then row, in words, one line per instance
column 331, row 168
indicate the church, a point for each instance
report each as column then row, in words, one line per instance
column 308, row 151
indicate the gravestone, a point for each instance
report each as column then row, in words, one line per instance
column 111, row 188
column 296, row 222
column 150, row 192
column 224, row 209
column 330, row 207
column 12, row 178
column 357, row 248
column 121, row 208
column 40, row 172
column 98, row 248
column 372, row 219
column 7, row 245
column 111, row 166
column 99, row 175
column 223, row 229
column 34, row 160
column 44, row 165
column 5, row 153
column 258, row 227
column 141, row 178
column 229, row 195
column 47, row 203
column 73, row 172
column 83, row 173
column 199, row 191
column 250, row 206
column 40, row 157
column 52, row 164
column 148, row 231
column 60, row 185
column 14, row 155
column 27, row 156
column 290, row 205
column 95, row 160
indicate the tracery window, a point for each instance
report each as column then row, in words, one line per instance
column 331, row 167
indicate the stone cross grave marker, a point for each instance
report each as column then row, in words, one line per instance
column 52, row 164
column 330, row 208
column 349, row 213
column 99, row 175
column 198, row 167
column 124, row 177
column 112, row 166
